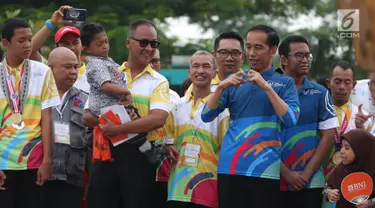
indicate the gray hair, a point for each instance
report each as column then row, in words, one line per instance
column 205, row 53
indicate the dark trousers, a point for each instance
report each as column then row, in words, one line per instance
column 307, row 198
column 129, row 179
column 59, row 194
column 244, row 191
column 160, row 194
column 177, row 204
column 21, row 190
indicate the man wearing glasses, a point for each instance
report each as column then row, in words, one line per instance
column 305, row 145
column 131, row 177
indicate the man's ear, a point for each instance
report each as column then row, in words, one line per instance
column 284, row 60
column 328, row 83
column 5, row 43
column 273, row 50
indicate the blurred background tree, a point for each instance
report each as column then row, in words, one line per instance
column 217, row 15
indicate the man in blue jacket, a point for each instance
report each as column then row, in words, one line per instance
column 261, row 103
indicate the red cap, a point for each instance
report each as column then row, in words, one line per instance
column 65, row 30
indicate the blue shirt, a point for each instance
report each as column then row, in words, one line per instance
column 299, row 142
column 251, row 146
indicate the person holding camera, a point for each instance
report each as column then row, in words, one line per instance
column 68, row 36
column 130, row 177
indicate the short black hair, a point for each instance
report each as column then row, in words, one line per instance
column 11, row 25
column 272, row 40
column 136, row 23
column 89, row 31
column 344, row 65
column 228, row 35
column 284, row 47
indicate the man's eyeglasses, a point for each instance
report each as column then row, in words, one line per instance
column 300, row 56
column 225, row 53
column 144, row 42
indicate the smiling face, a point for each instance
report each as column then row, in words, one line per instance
column 201, row 70
column 143, row 54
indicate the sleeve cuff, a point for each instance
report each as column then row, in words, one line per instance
column 329, row 124
column 160, row 106
column 55, row 101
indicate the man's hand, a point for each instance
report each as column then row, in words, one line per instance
column 173, row 152
column 256, row 78
column 57, row 17
column 235, row 80
column 109, row 129
column 295, row 180
column 365, row 204
column 44, row 173
column 333, row 195
column 2, row 180
column 360, row 118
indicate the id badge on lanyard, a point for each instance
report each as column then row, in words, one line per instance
column 61, row 129
column 192, row 150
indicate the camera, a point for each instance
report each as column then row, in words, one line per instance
column 74, row 14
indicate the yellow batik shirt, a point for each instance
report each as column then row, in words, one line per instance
column 22, row 149
column 193, row 177
column 150, row 91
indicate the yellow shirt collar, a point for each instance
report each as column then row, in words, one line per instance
column 344, row 107
column 148, row 69
column 81, row 70
column 13, row 70
column 216, row 80
column 190, row 96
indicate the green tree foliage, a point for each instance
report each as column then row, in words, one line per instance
column 219, row 15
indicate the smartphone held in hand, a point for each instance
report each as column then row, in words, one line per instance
column 75, row 14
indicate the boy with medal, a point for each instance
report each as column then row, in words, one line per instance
column 27, row 93
column 197, row 143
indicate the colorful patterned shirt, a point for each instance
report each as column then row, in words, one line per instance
column 150, row 90
column 195, row 183
column 99, row 71
column 299, row 142
column 252, row 145
column 23, row 149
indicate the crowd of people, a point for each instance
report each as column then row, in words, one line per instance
column 261, row 137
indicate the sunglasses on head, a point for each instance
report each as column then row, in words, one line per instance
column 144, row 42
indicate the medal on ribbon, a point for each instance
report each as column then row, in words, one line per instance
column 16, row 99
